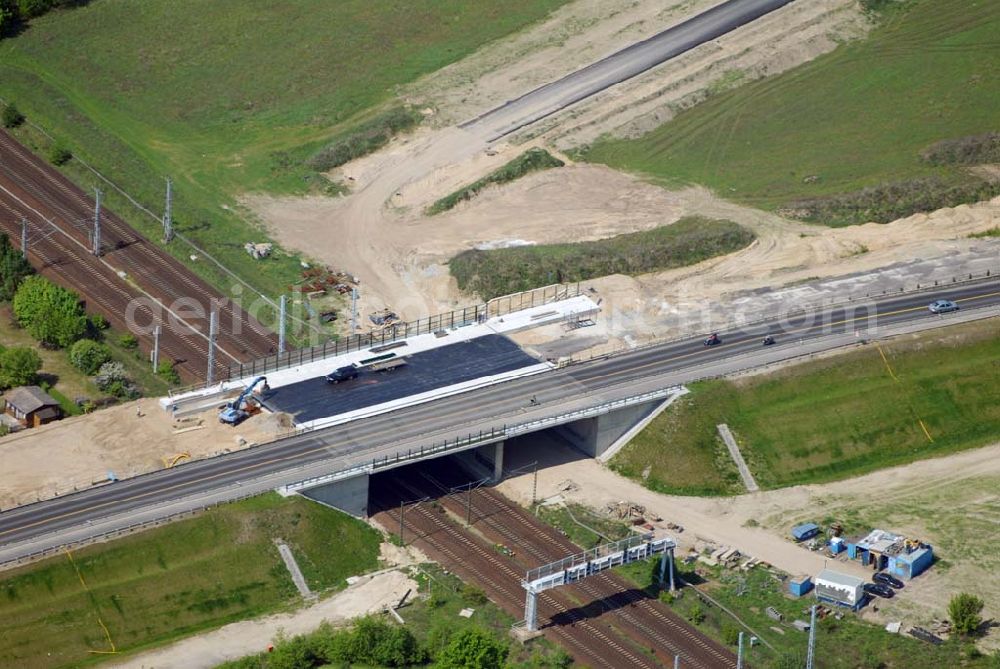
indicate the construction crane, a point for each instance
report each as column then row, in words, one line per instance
column 240, row 409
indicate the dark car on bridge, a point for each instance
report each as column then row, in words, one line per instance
column 342, row 374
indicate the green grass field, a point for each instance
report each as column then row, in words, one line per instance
column 230, row 97
column 494, row 272
column 829, row 419
column 175, row 580
column 853, row 118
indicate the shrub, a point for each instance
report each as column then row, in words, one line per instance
column 12, row 116
column 970, row 150
column 113, row 379
column 730, row 634
column 964, row 610
column 495, row 272
column 472, row 595
column 696, row 614
column 13, row 268
column 51, row 314
column 366, row 138
column 128, row 341
column 88, row 355
column 98, row 323
column 59, row 154
column 473, row 649
column 167, row 371
column 19, row 366
column 887, row 202
column 532, row 160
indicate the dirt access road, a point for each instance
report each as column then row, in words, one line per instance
column 378, row 231
column 963, row 490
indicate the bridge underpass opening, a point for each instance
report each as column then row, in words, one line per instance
column 597, row 436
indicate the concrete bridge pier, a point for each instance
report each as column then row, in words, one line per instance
column 483, row 462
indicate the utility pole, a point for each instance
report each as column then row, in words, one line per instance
column 677, row 662
column 354, row 310
column 213, row 324
column 402, row 505
column 281, row 325
column 534, row 487
column 739, row 653
column 468, row 507
column 810, row 653
column 97, row 222
column 156, row 348
column 24, row 238
column 168, row 221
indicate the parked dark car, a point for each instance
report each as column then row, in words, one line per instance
column 879, row 590
column 342, row 374
column 886, row 579
column 712, row 340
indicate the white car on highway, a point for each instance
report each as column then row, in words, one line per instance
column 942, row 306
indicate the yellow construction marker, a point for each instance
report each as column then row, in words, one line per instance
column 924, row 428
column 107, row 634
column 886, row 361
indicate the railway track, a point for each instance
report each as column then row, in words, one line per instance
column 67, row 264
column 30, row 183
column 644, row 619
column 592, row 644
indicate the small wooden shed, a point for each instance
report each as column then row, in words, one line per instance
column 31, row 406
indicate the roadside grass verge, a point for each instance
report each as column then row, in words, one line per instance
column 236, row 101
column 494, row 272
column 175, row 580
column 843, row 644
column 852, row 119
column 829, row 419
column 532, row 160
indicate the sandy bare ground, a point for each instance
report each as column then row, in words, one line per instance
column 951, row 502
column 378, row 232
column 369, row 594
column 401, row 254
column 75, row 452
column 585, row 31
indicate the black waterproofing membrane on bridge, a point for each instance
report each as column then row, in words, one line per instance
column 429, row 370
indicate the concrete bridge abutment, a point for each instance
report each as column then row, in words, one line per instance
column 593, row 436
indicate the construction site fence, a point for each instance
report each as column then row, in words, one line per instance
column 507, row 304
column 398, row 331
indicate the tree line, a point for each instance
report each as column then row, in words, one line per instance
column 14, row 14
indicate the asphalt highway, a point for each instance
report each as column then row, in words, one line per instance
column 558, row 392
column 621, row 66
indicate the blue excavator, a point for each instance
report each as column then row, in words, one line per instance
column 238, row 410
